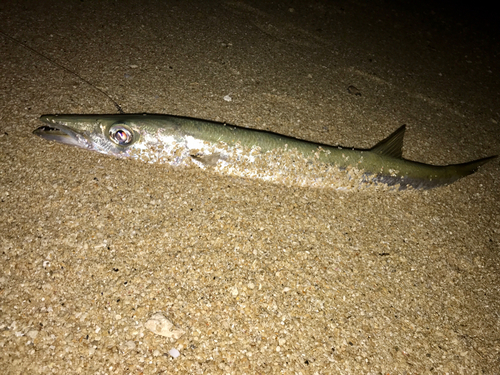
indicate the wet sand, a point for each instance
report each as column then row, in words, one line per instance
column 262, row 278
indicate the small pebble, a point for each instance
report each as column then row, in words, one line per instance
column 32, row 334
column 162, row 326
column 353, row 90
column 174, row 353
column 130, row 345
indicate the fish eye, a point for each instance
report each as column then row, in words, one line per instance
column 120, row 134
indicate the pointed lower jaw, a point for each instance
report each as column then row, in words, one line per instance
column 62, row 134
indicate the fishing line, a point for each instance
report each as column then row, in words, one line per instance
column 118, row 107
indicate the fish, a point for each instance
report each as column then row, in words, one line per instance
column 244, row 152
column 250, row 153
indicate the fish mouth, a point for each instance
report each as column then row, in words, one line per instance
column 58, row 132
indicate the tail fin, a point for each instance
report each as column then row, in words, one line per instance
column 420, row 175
column 470, row 167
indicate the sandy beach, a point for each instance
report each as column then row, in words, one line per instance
column 256, row 277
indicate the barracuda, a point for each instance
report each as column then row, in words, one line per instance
column 237, row 151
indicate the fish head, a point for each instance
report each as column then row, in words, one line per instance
column 107, row 134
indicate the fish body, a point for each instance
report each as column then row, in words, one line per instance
column 234, row 150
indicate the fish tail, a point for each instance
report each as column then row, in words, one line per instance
column 470, row 167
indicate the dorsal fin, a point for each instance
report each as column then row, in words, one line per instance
column 392, row 145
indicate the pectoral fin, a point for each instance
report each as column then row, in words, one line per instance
column 209, row 160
